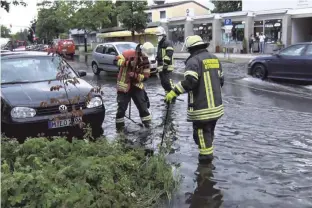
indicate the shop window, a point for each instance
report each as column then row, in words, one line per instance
column 162, row 14
column 176, row 34
column 236, row 34
column 258, row 28
column 273, row 30
column 204, row 31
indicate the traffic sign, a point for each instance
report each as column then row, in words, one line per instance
column 227, row 22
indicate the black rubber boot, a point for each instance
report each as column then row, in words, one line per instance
column 147, row 124
column 120, row 127
column 205, row 159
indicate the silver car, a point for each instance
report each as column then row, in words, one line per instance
column 104, row 54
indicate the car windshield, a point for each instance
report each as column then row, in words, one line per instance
column 125, row 46
column 30, row 69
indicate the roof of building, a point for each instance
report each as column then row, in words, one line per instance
column 115, row 29
column 159, row 6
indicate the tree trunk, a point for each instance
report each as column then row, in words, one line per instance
column 133, row 36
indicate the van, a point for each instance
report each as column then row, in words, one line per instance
column 66, row 47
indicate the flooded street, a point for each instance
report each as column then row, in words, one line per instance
column 263, row 143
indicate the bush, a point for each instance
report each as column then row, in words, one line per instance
column 39, row 173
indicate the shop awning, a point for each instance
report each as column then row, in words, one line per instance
column 125, row 33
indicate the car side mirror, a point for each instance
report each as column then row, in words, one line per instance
column 82, row 73
column 113, row 53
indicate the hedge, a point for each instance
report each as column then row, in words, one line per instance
column 82, row 174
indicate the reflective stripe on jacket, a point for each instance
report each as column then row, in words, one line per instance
column 165, row 55
column 141, row 70
column 204, row 97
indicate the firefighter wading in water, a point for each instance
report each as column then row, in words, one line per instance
column 203, row 79
column 134, row 69
column 164, row 60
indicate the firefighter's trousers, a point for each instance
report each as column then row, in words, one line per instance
column 203, row 133
column 166, row 81
column 140, row 99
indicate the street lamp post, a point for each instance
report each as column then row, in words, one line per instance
column 85, row 41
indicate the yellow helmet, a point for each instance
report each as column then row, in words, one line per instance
column 148, row 48
column 194, row 40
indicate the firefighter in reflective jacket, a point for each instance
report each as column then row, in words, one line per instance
column 203, row 79
column 164, row 60
column 134, row 69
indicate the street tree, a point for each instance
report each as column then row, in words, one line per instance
column 227, row 6
column 5, row 32
column 90, row 16
column 132, row 16
column 21, row 35
column 6, row 4
column 52, row 19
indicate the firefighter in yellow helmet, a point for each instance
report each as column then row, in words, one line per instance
column 203, row 79
column 164, row 59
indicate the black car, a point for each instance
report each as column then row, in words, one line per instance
column 26, row 81
column 291, row 63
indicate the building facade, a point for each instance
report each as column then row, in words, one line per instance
column 281, row 26
column 157, row 14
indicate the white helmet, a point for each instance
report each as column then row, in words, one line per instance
column 160, row 31
column 148, row 48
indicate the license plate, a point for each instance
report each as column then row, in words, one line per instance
column 63, row 122
column 153, row 66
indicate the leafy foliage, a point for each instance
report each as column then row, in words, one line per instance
column 39, row 173
column 21, row 35
column 5, row 32
column 90, row 16
column 6, row 5
column 132, row 16
column 52, row 19
column 227, row 6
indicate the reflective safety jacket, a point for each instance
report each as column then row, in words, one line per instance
column 203, row 82
column 140, row 69
column 165, row 56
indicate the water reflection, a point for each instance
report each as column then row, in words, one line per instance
column 205, row 194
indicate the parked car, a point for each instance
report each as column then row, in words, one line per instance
column 103, row 56
column 291, row 63
column 65, row 46
column 26, row 80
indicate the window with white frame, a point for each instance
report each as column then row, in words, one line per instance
column 149, row 17
column 162, row 14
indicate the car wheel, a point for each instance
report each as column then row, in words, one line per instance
column 259, row 71
column 95, row 69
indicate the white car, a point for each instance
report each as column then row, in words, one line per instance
column 104, row 54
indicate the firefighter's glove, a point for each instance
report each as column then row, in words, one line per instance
column 170, row 96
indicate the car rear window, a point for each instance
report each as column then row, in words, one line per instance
column 67, row 42
column 30, row 69
column 125, row 46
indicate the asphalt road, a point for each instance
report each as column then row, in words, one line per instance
column 262, row 145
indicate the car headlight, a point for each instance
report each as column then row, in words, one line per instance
column 23, row 112
column 95, row 102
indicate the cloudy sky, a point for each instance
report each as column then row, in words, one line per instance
column 20, row 16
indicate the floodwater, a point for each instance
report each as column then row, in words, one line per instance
column 263, row 143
